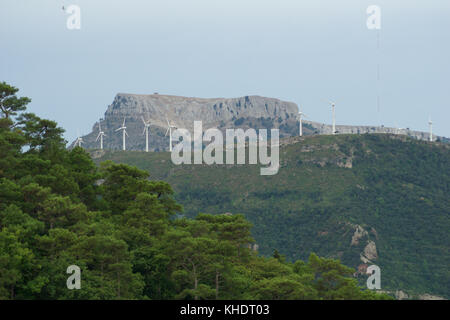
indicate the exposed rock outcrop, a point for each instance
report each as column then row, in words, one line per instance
column 245, row 112
column 400, row 295
column 370, row 252
column 359, row 233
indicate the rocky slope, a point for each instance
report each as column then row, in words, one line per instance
column 222, row 113
column 250, row 111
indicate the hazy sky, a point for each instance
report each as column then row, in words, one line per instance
column 304, row 51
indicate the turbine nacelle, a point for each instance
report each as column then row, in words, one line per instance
column 169, row 127
column 79, row 141
column 146, row 125
column 333, row 104
column 101, row 134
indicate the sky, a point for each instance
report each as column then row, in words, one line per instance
column 307, row 52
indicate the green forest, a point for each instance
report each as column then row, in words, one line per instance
column 127, row 232
column 395, row 188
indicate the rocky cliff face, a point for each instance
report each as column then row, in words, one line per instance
column 245, row 112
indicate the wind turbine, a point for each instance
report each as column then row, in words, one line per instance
column 124, row 132
column 146, row 128
column 430, row 123
column 79, row 139
column 100, row 136
column 333, row 105
column 300, row 129
column 169, row 130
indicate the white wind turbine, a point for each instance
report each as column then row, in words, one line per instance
column 123, row 133
column 333, row 106
column 300, row 129
column 169, row 130
column 100, row 136
column 79, row 139
column 430, row 123
column 146, row 129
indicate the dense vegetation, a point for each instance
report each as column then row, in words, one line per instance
column 57, row 208
column 396, row 188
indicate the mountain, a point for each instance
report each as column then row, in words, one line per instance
column 222, row 113
column 365, row 199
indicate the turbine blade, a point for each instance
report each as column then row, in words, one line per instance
column 118, row 129
column 126, row 133
column 98, row 136
column 123, row 122
column 167, row 131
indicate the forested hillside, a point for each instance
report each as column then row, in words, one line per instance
column 364, row 199
column 57, row 209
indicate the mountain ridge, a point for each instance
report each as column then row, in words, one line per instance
column 257, row 111
column 245, row 112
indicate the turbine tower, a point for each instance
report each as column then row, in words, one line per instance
column 300, row 125
column 124, row 132
column 430, row 123
column 333, row 105
column 169, row 130
column 79, row 141
column 146, row 128
column 100, row 136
